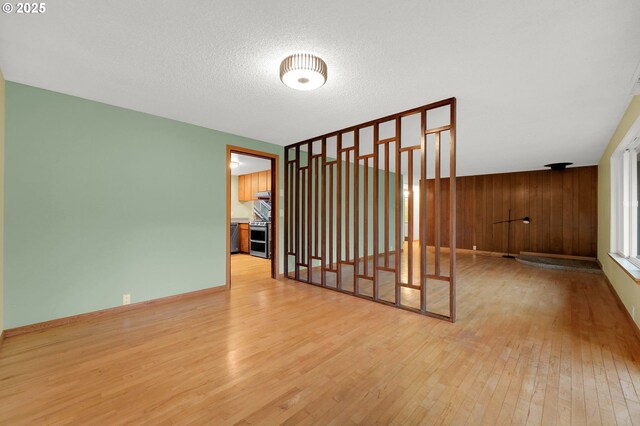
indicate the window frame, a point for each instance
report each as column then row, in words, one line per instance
column 624, row 196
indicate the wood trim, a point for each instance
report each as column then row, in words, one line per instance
column 634, row 326
column 452, row 209
column 275, row 203
column 228, row 221
column 108, row 311
column 439, row 129
column 346, row 262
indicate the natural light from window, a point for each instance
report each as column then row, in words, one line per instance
column 624, row 197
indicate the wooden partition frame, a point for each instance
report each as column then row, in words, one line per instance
column 319, row 190
column 275, row 204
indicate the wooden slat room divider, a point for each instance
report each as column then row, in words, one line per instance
column 348, row 194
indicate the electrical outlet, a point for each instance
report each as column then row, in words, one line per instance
column 474, row 247
column 126, row 299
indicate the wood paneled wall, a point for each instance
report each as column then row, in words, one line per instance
column 562, row 206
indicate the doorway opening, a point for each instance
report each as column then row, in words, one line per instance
column 252, row 219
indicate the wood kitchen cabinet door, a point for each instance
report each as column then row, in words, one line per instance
column 263, row 177
column 243, row 236
column 244, row 191
column 268, row 188
column 244, row 188
column 247, row 188
column 260, row 181
column 255, row 185
column 241, row 183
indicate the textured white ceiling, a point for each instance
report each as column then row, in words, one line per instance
column 536, row 82
column 249, row 164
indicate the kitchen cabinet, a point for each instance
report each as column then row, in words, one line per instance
column 251, row 183
column 265, row 180
column 241, row 185
column 248, row 195
column 244, row 188
column 243, row 237
column 255, row 184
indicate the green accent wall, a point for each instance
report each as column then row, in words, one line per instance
column 102, row 201
column 628, row 290
column 334, row 190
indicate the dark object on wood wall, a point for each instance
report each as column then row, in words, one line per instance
column 524, row 220
column 558, row 166
column 343, row 205
column 562, row 204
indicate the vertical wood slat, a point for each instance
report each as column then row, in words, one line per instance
column 555, row 238
column 297, row 215
column 452, row 213
column 460, row 206
column 438, row 208
column 376, row 203
column 575, row 218
column 410, row 218
column 386, row 205
column 584, row 203
column 331, row 215
column 444, row 208
column 309, row 212
column 594, row 210
column 422, row 222
column 292, row 205
column 339, row 212
column 365, row 226
column 286, row 213
column 356, row 210
column 399, row 219
column 316, row 220
column 323, row 215
column 347, row 216
column 303, row 216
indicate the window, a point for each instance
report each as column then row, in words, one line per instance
column 625, row 215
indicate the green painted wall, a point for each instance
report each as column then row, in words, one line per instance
column 627, row 289
column 102, row 201
column 350, row 219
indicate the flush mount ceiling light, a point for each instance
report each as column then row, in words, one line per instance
column 234, row 164
column 303, row 71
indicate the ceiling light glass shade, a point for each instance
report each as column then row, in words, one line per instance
column 303, row 71
column 234, row 164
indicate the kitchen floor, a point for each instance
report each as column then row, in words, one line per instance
column 244, row 265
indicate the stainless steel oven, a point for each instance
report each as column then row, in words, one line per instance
column 260, row 239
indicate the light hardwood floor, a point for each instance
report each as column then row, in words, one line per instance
column 531, row 346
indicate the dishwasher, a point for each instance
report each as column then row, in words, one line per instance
column 234, row 238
